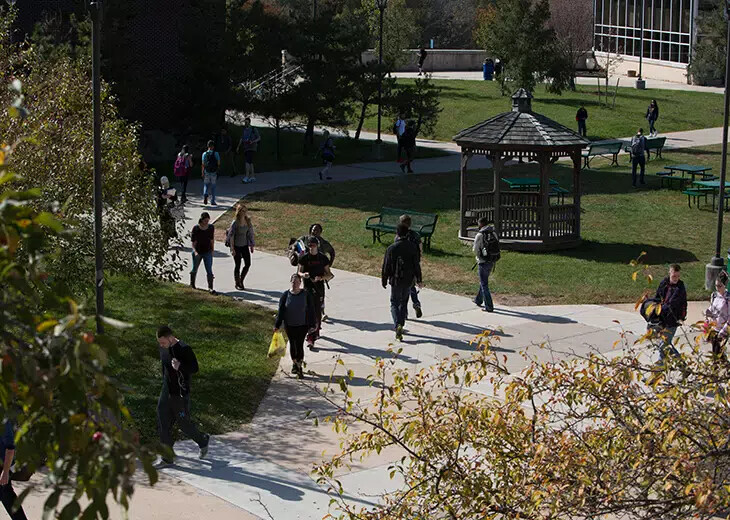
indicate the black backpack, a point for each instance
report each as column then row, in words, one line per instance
column 399, row 271
column 211, row 162
column 493, row 252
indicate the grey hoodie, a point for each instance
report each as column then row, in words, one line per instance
column 480, row 243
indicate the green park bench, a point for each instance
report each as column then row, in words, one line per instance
column 387, row 222
column 696, row 193
column 603, row 149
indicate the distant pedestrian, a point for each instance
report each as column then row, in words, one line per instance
column 487, row 253
column 421, row 59
column 178, row 365
column 298, row 315
column 250, row 139
column 581, row 117
column 166, row 198
column 210, row 166
column 314, row 269
column 497, row 69
column 672, row 297
column 717, row 317
column 224, row 146
column 240, row 239
column 415, row 238
column 327, row 151
column 408, row 142
column 399, row 128
column 401, row 269
column 182, row 168
column 203, row 238
column 638, row 149
column 652, row 114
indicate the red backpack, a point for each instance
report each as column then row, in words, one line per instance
column 181, row 166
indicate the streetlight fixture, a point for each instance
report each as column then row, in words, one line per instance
column 96, row 10
column 640, row 83
column 381, row 5
column 717, row 263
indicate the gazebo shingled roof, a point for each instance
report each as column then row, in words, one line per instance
column 520, row 128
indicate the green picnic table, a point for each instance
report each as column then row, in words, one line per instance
column 526, row 183
column 689, row 169
column 715, row 186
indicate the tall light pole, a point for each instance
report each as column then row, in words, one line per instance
column 96, row 9
column 381, row 4
column 640, row 83
column 717, row 263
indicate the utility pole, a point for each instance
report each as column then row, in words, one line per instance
column 96, row 10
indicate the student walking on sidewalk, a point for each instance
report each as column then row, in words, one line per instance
column 209, row 172
column 297, row 314
column 203, row 238
column 652, row 114
column 314, row 268
column 324, row 247
column 327, row 151
column 487, row 252
column 178, row 365
column 401, row 269
column 408, row 142
column 717, row 318
column 183, row 167
column 240, row 239
column 672, row 297
column 415, row 238
column 638, row 149
column 250, row 139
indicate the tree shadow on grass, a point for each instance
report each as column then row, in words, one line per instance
column 619, row 253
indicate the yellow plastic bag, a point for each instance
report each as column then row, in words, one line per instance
column 277, row 344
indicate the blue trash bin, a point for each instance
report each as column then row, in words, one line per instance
column 488, row 70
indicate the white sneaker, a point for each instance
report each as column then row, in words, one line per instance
column 245, row 180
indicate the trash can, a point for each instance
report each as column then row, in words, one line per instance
column 488, row 70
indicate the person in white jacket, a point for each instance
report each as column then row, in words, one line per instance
column 717, row 316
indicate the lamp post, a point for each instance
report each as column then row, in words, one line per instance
column 381, row 5
column 96, row 9
column 717, row 263
column 640, row 83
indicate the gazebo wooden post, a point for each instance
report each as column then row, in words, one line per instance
column 465, row 155
column 576, row 156
column 544, row 161
column 497, row 164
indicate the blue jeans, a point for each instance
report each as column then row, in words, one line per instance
column 651, row 126
column 399, row 303
column 666, row 335
column 206, row 258
column 484, row 296
column 582, row 127
column 209, row 180
column 641, row 162
column 414, row 297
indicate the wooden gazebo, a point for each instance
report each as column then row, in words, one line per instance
column 525, row 220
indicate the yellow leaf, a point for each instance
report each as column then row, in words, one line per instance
column 634, row 275
column 46, row 325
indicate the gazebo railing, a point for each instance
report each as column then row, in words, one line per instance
column 562, row 221
column 479, row 205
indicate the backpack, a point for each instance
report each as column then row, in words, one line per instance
column 396, row 128
column 295, row 251
column 492, row 250
column 229, row 234
column 211, row 162
column 650, row 311
column 399, row 272
column 181, row 166
column 637, row 147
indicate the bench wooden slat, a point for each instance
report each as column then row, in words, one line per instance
column 389, row 218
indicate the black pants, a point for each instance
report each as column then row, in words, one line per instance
column 184, row 183
column 718, row 346
column 317, row 290
column 8, row 497
column 296, row 337
column 582, row 127
column 400, row 147
column 245, row 253
column 173, row 409
column 637, row 161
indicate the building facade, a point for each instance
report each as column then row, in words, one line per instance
column 670, row 31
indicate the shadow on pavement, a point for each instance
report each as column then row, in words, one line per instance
column 542, row 318
column 464, row 328
column 365, row 326
column 370, row 352
column 455, row 344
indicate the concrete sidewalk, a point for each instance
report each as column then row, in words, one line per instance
column 265, row 467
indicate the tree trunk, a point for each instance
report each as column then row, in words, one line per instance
column 308, row 136
column 361, row 121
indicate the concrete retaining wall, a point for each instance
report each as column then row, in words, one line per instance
column 650, row 69
column 437, row 59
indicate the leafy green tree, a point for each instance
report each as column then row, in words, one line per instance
column 54, row 154
column 365, row 90
column 520, row 36
column 708, row 62
column 417, row 100
column 54, row 384
column 399, row 30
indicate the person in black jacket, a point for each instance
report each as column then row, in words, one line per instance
column 297, row 313
column 178, row 365
column 408, row 143
column 401, row 269
column 581, row 117
column 672, row 295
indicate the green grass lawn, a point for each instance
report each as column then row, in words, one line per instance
column 230, row 340
column 466, row 103
column 618, row 224
column 348, row 151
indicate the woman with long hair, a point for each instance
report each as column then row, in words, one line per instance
column 240, row 239
column 652, row 114
column 182, row 169
column 297, row 314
